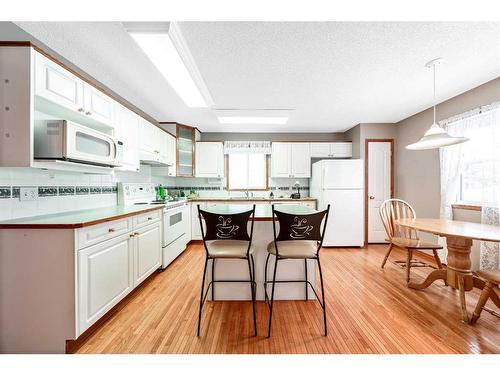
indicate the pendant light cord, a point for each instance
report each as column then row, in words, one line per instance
column 434, row 101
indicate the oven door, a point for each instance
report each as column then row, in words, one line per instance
column 87, row 145
column 174, row 224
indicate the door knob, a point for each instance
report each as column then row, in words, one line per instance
column 372, row 197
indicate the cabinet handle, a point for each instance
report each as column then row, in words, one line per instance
column 88, row 113
column 136, row 233
column 150, row 218
column 111, row 230
column 131, row 235
column 81, row 110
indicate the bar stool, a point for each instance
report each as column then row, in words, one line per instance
column 299, row 237
column 226, row 237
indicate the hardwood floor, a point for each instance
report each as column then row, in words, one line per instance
column 369, row 311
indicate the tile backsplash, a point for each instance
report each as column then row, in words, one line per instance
column 64, row 191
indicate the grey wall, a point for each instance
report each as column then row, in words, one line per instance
column 276, row 137
column 417, row 172
column 354, row 135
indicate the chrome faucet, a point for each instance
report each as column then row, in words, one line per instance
column 248, row 194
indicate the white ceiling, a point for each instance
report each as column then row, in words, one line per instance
column 334, row 75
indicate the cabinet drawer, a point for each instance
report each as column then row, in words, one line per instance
column 147, row 218
column 97, row 233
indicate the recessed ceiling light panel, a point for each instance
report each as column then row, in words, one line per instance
column 252, row 120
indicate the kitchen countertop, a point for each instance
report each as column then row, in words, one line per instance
column 262, row 212
column 253, row 199
column 77, row 219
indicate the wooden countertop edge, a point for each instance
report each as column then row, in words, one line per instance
column 78, row 225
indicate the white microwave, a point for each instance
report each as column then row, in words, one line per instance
column 66, row 140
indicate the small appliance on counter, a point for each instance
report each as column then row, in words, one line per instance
column 297, row 194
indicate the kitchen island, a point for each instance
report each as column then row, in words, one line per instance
column 233, row 269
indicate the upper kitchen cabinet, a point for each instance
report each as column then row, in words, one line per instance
column 154, row 144
column 209, row 159
column 62, row 93
column 331, row 150
column 172, row 155
column 291, row 160
column 98, row 105
column 187, row 137
column 127, row 132
column 58, row 85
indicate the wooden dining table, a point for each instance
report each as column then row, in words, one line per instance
column 459, row 236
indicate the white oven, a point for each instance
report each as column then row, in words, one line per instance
column 175, row 227
column 66, row 140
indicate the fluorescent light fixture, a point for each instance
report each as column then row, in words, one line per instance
column 169, row 53
column 252, row 120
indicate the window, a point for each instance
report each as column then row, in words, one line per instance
column 478, row 160
column 247, row 171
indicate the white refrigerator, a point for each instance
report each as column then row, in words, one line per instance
column 340, row 183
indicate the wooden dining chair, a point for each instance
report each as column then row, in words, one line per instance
column 402, row 237
column 492, row 279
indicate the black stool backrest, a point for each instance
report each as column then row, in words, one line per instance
column 306, row 227
column 226, row 226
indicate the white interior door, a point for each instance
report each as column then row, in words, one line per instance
column 379, row 187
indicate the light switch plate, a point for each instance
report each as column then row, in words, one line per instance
column 28, row 194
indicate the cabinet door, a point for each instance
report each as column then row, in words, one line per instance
column 56, row 84
column 320, row 150
column 147, row 252
column 105, row 276
column 280, row 160
column 98, row 105
column 127, row 131
column 301, row 160
column 147, row 140
column 195, row 221
column 342, row 150
column 209, row 159
column 172, row 155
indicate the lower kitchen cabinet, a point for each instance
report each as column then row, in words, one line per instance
column 104, row 278
column 147, row 252
column 107, row 271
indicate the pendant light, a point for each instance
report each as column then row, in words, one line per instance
column 436, row 136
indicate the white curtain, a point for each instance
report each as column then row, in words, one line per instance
column 247, row 147
column 489, row 258
column 475, row 164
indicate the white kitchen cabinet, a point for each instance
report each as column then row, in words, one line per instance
column 209, row 159
column 98, row 105
column 291, row 160
column 127, row 132
column 105, row 276
column 342, row 150
column 112, row 259
column 58, row 85
column 147, row 252
column 172, row 155
column 331, row 150
column 195, row 221
column 147, row 144
column 300, row 160
column 154, row 144
column 321, row 150
column 280, row 159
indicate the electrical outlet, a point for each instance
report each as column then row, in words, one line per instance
column 28, row 194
